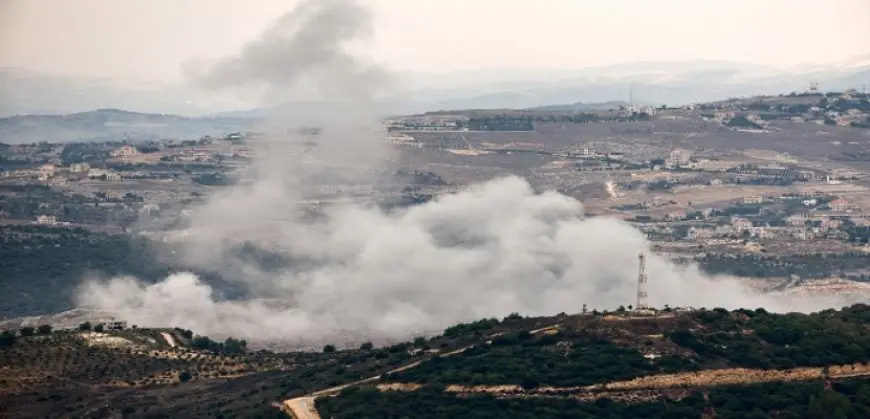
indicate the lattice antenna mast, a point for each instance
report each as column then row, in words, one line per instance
column 641, row 283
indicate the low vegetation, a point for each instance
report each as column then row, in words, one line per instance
column 848, row 400
column 92, row 371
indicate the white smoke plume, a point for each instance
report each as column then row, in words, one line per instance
column 490, row 250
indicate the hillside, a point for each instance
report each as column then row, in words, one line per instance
column 744, row 363
column 112, row 125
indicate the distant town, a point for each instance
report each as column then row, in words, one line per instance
column 777, row 182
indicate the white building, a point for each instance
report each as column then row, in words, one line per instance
column 125, row 151
column 756, row 199
column 740, row 224
column 47, row 169
column 46, row 220
column 404, row 140
column 79, row 167
column 678, row 157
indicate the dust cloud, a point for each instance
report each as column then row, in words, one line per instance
column 360, row 272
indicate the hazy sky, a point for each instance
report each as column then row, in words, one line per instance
column 150, row 39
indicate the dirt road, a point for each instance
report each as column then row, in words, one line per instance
column 707, row 378
column 303, row 407
column 169, row 339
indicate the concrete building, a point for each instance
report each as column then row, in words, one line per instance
column 756, row 199
column 403, row 140
column 723, row 115
column 677, row 215
column 740, row 224
column 79, row 167
column 124, row 151
column 46, row 220
column 47, row 169
column 678, row 157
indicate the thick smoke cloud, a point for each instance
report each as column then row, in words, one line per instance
column 489, row 251
column 304, row 52
column 362, row 273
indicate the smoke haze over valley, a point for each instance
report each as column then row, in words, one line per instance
column 489, row 250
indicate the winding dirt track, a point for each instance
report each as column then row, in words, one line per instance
column 707, row 378
column 303, row 407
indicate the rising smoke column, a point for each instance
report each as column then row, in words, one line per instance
column 490, row 250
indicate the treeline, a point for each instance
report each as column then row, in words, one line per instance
column 795, row 400
column 41, row 267
column 816, row 265
column 758, row 339
column 230, row 346
column 505, row 122
column 522, row 359
column 501, row 123
column 743, row 338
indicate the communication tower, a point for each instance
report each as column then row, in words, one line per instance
column 641, row 283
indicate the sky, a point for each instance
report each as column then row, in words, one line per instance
column 153, row 39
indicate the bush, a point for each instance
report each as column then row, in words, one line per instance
column 7, row 338
column 184, row 376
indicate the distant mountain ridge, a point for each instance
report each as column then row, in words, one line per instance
column 112, row 124
column 670, row 83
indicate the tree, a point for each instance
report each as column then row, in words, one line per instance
column 7, row 338
column 99, row 328
column 184, row 376
column 235, row 346
column 26, row 331
column 44, row 329
column 85, row 326
column 328, row 349
column 366, row 346
column 528, row 384
column 829, row 405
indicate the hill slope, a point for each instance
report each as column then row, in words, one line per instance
column 112, row 125
column 742, row 364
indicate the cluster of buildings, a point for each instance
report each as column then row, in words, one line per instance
column 815, row 220
column 428, row 123
column 848, row 108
